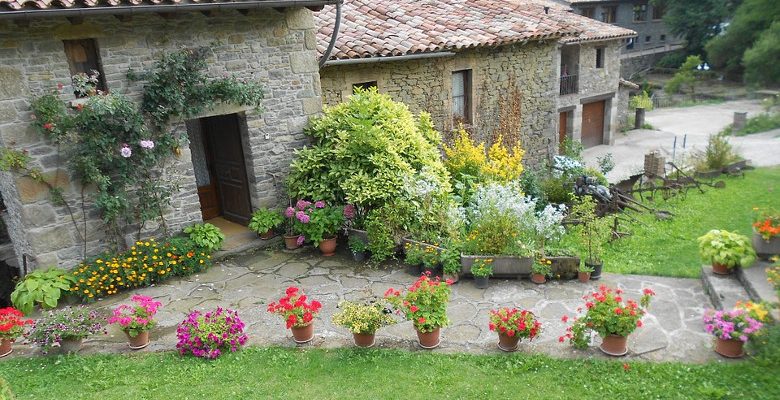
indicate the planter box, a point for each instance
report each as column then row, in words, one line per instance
column 362, row 235
column 565, row 267
column 503, row 266
column 766, row 248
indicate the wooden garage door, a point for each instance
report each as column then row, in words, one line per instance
column 593, row 124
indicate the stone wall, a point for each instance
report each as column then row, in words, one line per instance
column 635, row 64
column 425, row 85
column 276, row 48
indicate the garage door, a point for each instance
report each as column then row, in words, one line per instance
column 593, row 124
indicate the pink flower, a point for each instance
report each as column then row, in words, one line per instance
column 301, row 204
column 349, row 211
column 60, row 86
column 147, row 144
column 289, row 212
column 300, row 240
column 301, row 216
column 319, row 204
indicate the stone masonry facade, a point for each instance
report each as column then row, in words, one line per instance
column 274, row 47
column 426, row 85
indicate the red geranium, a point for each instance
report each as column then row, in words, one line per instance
column 294, row 308
column 513, row 322
column 425, row 303
column 12, row 323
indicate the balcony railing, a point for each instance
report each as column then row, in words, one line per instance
column 568, row 84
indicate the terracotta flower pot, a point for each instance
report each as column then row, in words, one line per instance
column 538, row 278
column 584, row 277
column 267, row 234
column 328, row 247
column 303, row 334
column 507, row 343
column 291, row 242
column 6, row 347
column 139, row 341
column 720, row 269
column 614, row 345
column 70, row 345
column 429, row 340
column 731, row 348
column 364, row 339
column 452, row 277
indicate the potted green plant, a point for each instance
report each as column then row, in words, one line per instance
column 206, row 236
column 425, row 304
column 512, row 325
column 731, row 329
column 12, row 324
column 431, row 260
column 609, row 314
column 482, row 269
column 320, row 224
column 766, row 233
column 583, row 274
column 264, row 221
column 540, row 270
column 413, row 257
column 65, row 328
column 450, row 262
column 41, row 288
column 363, row 320
column 594, row 233
column 136, row 320
column 358, row 246
column 726, row 250
column 297, row 313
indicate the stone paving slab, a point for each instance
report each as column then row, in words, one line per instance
column 673, row 329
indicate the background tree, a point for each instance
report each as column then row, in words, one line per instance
column 685, row 76
column 761, row 60
column 697, row 21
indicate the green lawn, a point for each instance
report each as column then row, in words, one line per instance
column 669, row 247
column 258, row 373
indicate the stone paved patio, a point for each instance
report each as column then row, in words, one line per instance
column 672, row 331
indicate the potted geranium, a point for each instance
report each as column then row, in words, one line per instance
column 209, row 334
column 65, row 328
column 319, row 223
column 610, row 315
column 583, row 274
column 264, row 221
column 358, row 247
column 136, row 320
column 512, row 325
column 297, row 312
column 482, row 269
column 731, row 329
column 594, row 233
column 363, row 320
column 766, row 233
column 726, row 251
column 540, row 270
column 425, row 304
column 12, row 324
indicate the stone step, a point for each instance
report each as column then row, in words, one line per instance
column 754, row 281
column 724, row 290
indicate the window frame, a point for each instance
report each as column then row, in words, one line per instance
column 658, row 12
column 468, row 96
column 630, row 43
column 600, row 52
column 640, row 10
column 92, row 52
column 588, row 12
column 609, row 16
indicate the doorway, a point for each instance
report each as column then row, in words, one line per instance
column 564, row 129
column 227, row 193
column 593, row 123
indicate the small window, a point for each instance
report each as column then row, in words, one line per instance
column 588, row 12
column 461, row 96
column 600, row 57
column 364, row 85
column 640, row 12
column 658, row 11
column 630, row 43
column 609, row 15
column 648, row 38
column 83, row 58
column 662, row 38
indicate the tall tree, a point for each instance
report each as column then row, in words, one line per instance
column 761, row 60
column 697, row 21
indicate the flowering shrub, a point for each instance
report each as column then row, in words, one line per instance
column 209, row 334
column 513, row 322
column 542, row 266
column 767, row 224
column 727, row 325
column 294, row 309
column 425, row 303
column 136, row 318
column 482, row 267
column 315, row 221
column 12, row 323
column 608, row 313
column 564, row 166
column 145, row 263
column 363, row 318
column 499, row 164
column 66, row 323
column 757, row 311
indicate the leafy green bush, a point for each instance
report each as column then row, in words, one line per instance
column 42, row 288
column 717, row 155
column 641, row 100
column 264, row 220
column 726, row 248
column 760, row 123
column 685, row 76
column 671, row 60
column 557, row 190
column 206, row 236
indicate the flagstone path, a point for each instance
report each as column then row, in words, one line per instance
column 672, row 331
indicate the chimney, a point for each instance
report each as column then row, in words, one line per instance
column 546, row 9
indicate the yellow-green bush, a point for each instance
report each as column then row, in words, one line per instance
column 499, row 164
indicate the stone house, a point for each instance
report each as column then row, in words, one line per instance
column 237, row 157
column 460, row 60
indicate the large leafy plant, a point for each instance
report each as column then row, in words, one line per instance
column 264, row 220
column 207, row 236
column 42, row 288
column 594, row 231
column 726, row 248
column 317, row 221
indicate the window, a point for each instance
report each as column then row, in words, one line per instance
column 630, row 43
column 662, row 38
column 648, row 38
column 461, row 96
column 600, row 57
column 640, row 12
column 588, row 12
column 83, row 57
column 364, row 85
column 658, row 11
column 609, row 15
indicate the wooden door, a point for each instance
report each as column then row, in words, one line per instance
column 226, row 165
column 593, row 124
column 563, row 121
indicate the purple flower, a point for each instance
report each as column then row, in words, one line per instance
column 302, row 204
column 125, row 151
column 319, row 204
column 300, row 240
column 349, row 211
column 301, row 216
column 289, row 212
column 147, row 144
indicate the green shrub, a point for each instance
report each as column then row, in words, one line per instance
column 41, row 288
column 726, row 248
column 760, row 123
column 264, row 220
column 5, row 390
column 557, row 190
column 671, row 60
column 717, row 155
column 685, row 76
column 206, row 235
column 641, row 100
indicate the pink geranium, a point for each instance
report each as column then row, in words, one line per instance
column 136, row 318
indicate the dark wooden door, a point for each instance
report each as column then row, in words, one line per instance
column 226, row 164
column 563, row 121
column 593, row 124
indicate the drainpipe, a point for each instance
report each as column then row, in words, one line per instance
column 333, row 38
column 407, row 57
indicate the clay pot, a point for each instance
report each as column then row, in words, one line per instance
column 507, row 343
column 538, row 278
column 303, row 334
column 583, row 277
column 291, row 242
column 267, row 234
column 70, row 345
column 364, row 339
column 429, row 340
column 614, row 345
column 720, row 269
column 328, row 247
column 139, row 341
column 452, row 277
column 731, row 348
column 6, row 347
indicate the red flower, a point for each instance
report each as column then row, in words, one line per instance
column 626, row 367
column 492, row 326
column 589, row 305
column 291, row 320
column 80, row 107
column 60, row 86
column 639, row 323
column 413, row 308
column 48, row 126
column 618, row 299
column 510, row 333
column 648, row 292
column 560, row 339
column 307, row 317
column 618, row 310
column 565, row 318
column 291, row 290
column 421, row 320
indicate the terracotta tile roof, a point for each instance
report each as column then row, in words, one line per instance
column 382, row 28
column 33, row 5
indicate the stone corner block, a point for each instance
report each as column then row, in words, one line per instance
column 300, row 18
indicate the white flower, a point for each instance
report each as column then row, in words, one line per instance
column 147, row 144
column 126, row 152
column 563, row 164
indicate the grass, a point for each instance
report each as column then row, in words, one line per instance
column 760, row 123
column 256, row 373
column 669, row 248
